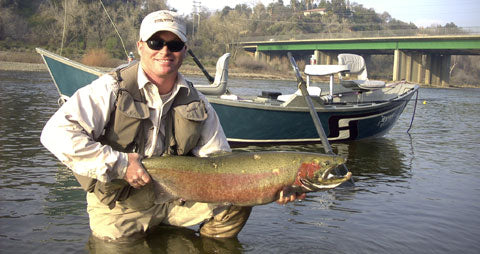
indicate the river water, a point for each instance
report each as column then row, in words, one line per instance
column 413, row 193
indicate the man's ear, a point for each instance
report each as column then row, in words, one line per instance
column 139, row 46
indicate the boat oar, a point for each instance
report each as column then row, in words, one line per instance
column 205, row 72
column 313, row 112
column 316, row 120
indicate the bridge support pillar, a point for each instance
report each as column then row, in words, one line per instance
column 431, row 69
column 437, row 69
column 428, row 69
column 258, row 55
column 396, row 65
column 402, row 65
column 332, row 58
column 323, row 57
column 328, row 58
column 317, row 56
column 267, row 58
column 418, row 65
column 414, row 67
column 446, row 61
column 408, row 66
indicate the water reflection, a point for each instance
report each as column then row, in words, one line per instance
column 67, row 197
column 375, row 157
column 166, row 239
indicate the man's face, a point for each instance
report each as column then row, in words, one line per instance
column 162, row 63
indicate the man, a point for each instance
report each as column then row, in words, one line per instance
column 146, row 109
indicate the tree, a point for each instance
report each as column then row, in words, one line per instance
column 308, row 4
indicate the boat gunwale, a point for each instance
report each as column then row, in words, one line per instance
column 325, row 108
column 69, row 62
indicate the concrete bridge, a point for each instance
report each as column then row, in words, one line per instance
column 420, row 58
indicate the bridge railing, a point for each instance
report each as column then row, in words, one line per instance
column 420, row 32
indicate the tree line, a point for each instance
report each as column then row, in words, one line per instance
column 76, row 26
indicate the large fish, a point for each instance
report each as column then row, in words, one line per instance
column 244, row 178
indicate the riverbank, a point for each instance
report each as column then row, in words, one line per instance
column 24, row 61
column 20, row 66
column 185, row 69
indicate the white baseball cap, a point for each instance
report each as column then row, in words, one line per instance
column 163, row 21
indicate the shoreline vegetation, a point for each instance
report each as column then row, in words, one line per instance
column 83, row 32
column 32, row 62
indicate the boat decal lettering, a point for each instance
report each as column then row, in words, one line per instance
column 346, row 127
column 386, row 119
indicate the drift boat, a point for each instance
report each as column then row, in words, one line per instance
column 360, row 109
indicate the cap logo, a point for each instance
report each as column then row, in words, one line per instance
column 163, row 20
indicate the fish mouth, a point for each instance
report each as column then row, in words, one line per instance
column 336, row 162
column 325, row 182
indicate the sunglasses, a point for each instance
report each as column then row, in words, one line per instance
column 173, row 46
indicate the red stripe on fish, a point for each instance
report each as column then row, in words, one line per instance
column 234, row 186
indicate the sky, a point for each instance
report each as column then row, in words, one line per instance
column 423, row 13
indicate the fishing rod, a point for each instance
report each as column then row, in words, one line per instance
column 205, row 72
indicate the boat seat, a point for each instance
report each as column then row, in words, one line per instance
column 324, row 70
column 357, row 66
column 219, row 85
column 312, row 91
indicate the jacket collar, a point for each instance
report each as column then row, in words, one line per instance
column 180, row 84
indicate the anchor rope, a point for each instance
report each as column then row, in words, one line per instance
column 414, row 110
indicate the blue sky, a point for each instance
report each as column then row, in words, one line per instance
column 464, row 13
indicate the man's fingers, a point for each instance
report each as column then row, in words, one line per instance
column 146, row 178
column 141, row 178
column 290, row 198
column 283, row 200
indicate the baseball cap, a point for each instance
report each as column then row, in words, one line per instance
column 163, row 21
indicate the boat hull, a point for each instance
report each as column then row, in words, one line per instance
column 243, row 123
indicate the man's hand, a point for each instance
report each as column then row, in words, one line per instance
column 288, row 194
column 136, row 175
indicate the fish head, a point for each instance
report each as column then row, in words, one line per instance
column 318, row 174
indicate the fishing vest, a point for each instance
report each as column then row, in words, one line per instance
column 127, row 131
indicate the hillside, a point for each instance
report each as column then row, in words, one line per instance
column 76, row 28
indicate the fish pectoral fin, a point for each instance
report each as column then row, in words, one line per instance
column 161, row 195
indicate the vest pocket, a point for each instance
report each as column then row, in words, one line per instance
column 187, row 125
column 126, row 122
